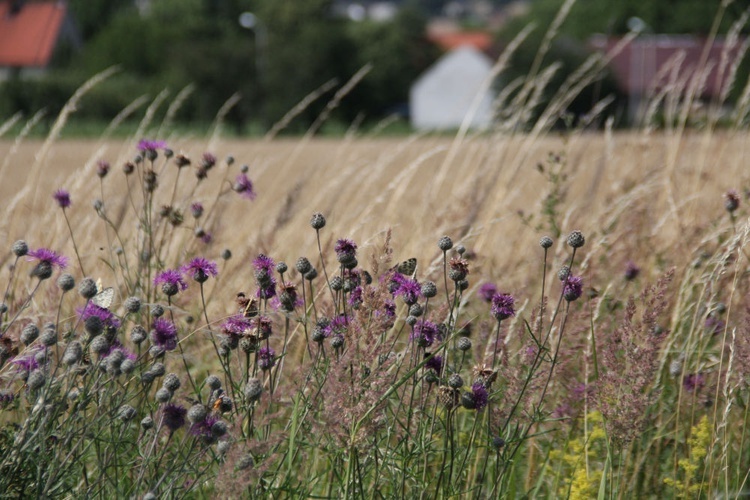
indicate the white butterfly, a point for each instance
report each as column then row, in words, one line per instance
column 104, row 296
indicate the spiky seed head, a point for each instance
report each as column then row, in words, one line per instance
column 213, row 382
column 138, row 334
column 281, row 267
column 157, row 311
column 163, row 395
column 467, row 400
column 415, row 310
column 158, row 369
column 337, row 342
column 126, row 413
column 48, row 337
column 127, row 366
column 460, row 249
column 448, row 397
column 20, row 248
column 411, row 320
column 445, row 243
column 464, row 344
column 563, row 273
column 311, row 274
column 576, row 239
column 545, row 242
column 171, row 382
column 219, row 428
column 87, row 288
column 132, row 305
column 36, row 380
column 429, row 289
column 66, row 282
column 29, row 333
column 303, row 265
column 147, row 423
column 73, row 353
column 100, row 344
column 197, row 413
column 337, row 283
column 253, row 390
column 317, row 221
column 455, row 381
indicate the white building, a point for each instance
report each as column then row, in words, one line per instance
column 449, row 90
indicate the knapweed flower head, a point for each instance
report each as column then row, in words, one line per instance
column 435, row 363
column 731, row 200
column 164, row 334
column 106, row 318
column 502, row 306
column 266, row 358
column 268, row 291
column 171, row 281
column 27, row 361
column 631, row 270
column 203, row 427
column 102, row 168
column 458, row 269
column 425, row 333
column 149, row 144
column 408, row 289
column 196, row 208
column 337, row 326
column 62, row 197
column 480, row 395
column 264, row 268
column 356, row 298
column 346, row 251
column 487, row 291
column 199, row 269
column 208, row 160
column 173, row 416
column 573, row 288
column 236, row 325
column 244, row 186
column 48, row 257
column 288, row 298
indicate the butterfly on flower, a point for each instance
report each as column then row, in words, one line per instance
column 407, row 267
column 248, row 307
column 104, row 296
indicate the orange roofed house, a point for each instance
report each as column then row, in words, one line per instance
column 30, row 33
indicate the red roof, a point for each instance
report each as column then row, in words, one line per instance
column 651, row 62
column 454, row 39
column 28, row 36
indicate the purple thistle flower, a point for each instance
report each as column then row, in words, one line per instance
column 62, row 197
column 268, row 291
column 236, row 325
column 199, row 269
column 164, row 334
column 338, row 326
column 434, row 363
column 150, row 145
column 425, row 333
column 346, row 250
column 173, row 416
column 117, row 346
column 266, row 358
column 264, row 263
column 196, row 209
column 203, row 428
column 389, row 308
column 355, row 298
column 410, row 290
column 244, row 186
column 107, row 318
column 487, row 291
column 28, row 361
column 573, row 288
column 207, row 238
column 631, row 271
column 49, row 257
column 171, row 281
column 502, row 306
column 102, row 168
column 208, row 160
column 480, row 395
column 693, row 382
